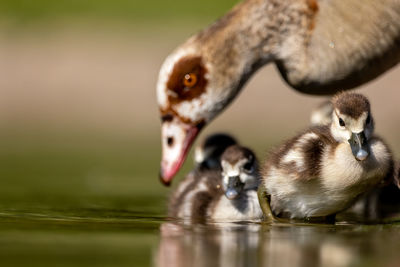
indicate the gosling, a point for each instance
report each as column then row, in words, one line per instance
column 226, row 194
column 323, row 170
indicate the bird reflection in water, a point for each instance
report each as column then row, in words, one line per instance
column 253, row 244
column 226, row 244
column 246, row 244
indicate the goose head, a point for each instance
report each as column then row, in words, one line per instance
column 207, row 155
column 352, row 122
column 239, row 171
column 196, row 82
column 190, row 94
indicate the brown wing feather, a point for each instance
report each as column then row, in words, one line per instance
column 352, row 42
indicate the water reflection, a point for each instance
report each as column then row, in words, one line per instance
column 250, row 244
column 209, row 245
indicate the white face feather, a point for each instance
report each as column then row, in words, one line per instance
column 178, row 134
column 249, row 179
column 343, row 133
column 231, row 170
column 201, row 108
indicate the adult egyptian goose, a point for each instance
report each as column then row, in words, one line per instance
column 318, row 47
column 324, row 169
column 227, row 194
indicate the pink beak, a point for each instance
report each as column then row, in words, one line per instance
column 177, row 138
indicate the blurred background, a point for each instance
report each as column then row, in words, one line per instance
column 79, row 123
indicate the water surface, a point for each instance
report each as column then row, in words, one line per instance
column 112, row 237
column 99, row 203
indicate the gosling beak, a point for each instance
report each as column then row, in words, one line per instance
column 177, row 138
column 235, row 186
column 359, row 146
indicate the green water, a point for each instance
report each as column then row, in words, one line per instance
column 114, row 237
column 98, row 202
column 83, row 200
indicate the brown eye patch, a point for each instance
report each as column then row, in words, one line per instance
column 187, row 80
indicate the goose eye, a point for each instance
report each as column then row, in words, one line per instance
column 368, row 119
column 248, row 167
column 190, row 80
column 341, row 122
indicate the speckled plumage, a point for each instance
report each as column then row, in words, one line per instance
column 316, row 174
column 201, row 196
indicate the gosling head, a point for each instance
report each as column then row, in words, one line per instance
column 207, row 155
column 239, row 171
column 352, row 122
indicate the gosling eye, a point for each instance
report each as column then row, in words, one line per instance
column 248, row 167
column 368, row 121
column 341, row 122
column 189, row 80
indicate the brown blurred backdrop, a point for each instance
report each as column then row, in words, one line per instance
column 81, row 80
column 80, row 136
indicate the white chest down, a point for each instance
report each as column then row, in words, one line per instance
column 245, row 208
